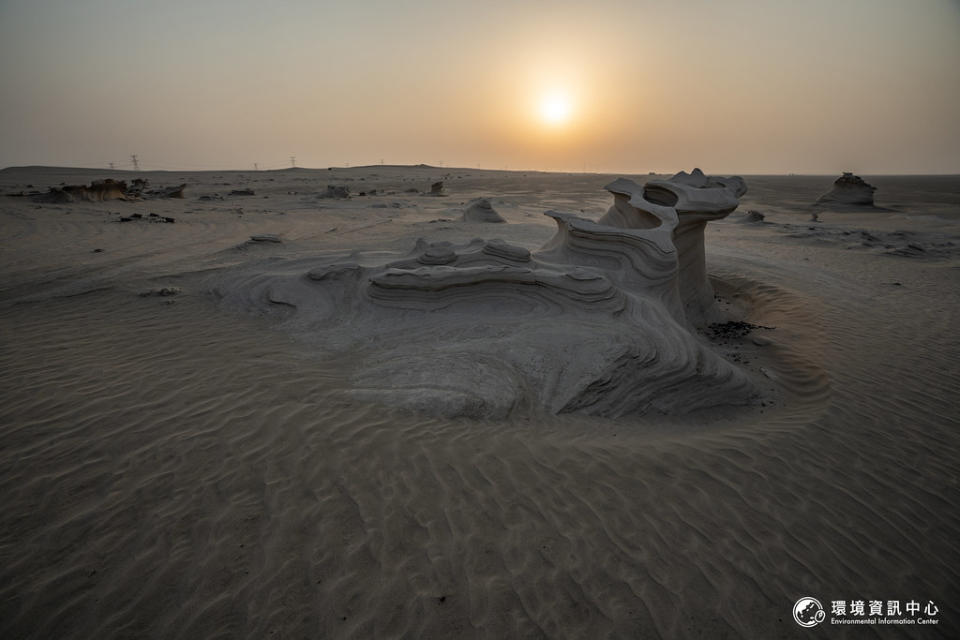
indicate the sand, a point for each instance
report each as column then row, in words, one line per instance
column 178, row 465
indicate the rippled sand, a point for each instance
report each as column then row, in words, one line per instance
column 172, row 468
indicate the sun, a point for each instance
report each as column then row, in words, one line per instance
column 555, row 108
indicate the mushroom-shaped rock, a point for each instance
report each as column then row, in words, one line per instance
column 692, row 199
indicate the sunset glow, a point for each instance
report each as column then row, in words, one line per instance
column 555, row 108
column 649, row 90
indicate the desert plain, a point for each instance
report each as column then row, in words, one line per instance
column 184, row 454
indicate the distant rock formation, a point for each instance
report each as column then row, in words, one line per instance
column 480, row 210
column 598, row 321
column 336, row 192
column 849, row 189
column 436, row 188
column 97, row 191
column 104, row 190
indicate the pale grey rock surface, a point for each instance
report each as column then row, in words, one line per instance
column 600, row 320
column 480, row 210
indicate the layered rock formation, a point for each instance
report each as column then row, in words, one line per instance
column 849, row 189
column 597, row 321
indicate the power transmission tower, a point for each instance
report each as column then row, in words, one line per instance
column 255, row 167
column 136, row 163
column 111, row 166
column 293, row 161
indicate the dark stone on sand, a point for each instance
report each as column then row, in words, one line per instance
column 242, row 192
column 163, row 292
column 733, row 329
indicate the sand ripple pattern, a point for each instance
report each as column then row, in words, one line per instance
column 232, row 493
column 174, row 471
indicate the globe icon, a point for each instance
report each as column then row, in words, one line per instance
column 808, row 612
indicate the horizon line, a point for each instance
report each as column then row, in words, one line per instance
column 462, row 168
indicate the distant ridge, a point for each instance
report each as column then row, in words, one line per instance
column 107, row 172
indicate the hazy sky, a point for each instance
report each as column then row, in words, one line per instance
column 820, row 86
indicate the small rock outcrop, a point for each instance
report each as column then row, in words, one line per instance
column 168, row 192
column 336, row 192
column 480, row 210
column 849, row 189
